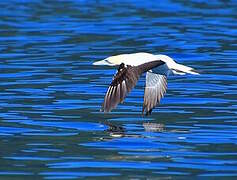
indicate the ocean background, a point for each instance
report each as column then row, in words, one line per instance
column 51, row 126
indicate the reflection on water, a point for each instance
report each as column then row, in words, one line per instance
column 154, row 127
column 115, row 130
column 119, row 131
column 50, row 94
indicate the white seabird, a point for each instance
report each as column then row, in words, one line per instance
column 131, row 66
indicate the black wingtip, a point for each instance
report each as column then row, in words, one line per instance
column 148, row 112
column 196, row 71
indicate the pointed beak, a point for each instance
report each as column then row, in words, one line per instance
column 103, row 62
column 98, row 63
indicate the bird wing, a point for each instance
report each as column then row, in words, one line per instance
column 123, row 82
column 155, row 89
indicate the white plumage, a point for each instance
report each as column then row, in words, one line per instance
column 157, row 68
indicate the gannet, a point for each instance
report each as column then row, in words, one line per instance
column 131, row 67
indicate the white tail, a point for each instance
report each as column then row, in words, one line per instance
column 181, row 69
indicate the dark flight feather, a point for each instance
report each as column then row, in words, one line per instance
column 124, row 81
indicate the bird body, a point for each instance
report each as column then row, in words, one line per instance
column 134, row 59
column 131, row 66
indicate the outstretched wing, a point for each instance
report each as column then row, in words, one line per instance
column 155, row 89
column 124, row 80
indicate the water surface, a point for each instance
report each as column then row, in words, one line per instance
column 50, row 94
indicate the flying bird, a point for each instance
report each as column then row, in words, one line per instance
column 131, row 67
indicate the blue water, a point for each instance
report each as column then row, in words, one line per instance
column 50, row 94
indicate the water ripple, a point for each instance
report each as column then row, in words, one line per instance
column 50, row 94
